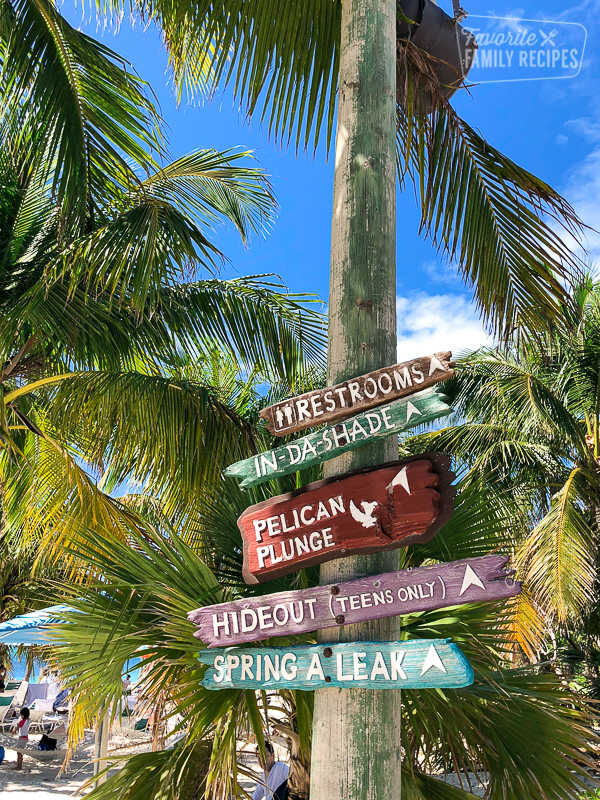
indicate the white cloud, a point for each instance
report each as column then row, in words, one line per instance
column 430, row 323
column 583, row 192
column 584, row 126
column 441, row 273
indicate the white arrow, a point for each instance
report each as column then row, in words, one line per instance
column 411, row 410
column 470, row 579
column 435, row 364
column 432, row 660
column 400, row 479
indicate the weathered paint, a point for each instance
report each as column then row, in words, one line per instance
column 351, row 759
column 418, row 664
column 334, row 440
column 408, row 591
column 378, row 508
column 359, row 394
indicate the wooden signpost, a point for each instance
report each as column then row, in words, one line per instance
column 408, row 591
column 365, row 511
column 360, row 394
column 336, row 439
column 423, row 664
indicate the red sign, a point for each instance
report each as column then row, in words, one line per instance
column 378, row 508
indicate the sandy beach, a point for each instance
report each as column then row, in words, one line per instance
column 40, row 781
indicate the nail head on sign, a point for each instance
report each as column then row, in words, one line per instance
column 327, row 679
column 335, row 590
column 340, row 619
column 328, row 652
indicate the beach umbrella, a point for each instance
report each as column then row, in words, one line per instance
column 32, row 628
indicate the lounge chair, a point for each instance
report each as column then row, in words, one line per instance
column 6, row 712
column 36, row 718
column 18, row 699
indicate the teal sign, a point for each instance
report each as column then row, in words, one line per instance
column 336, row 439
column 419, row 664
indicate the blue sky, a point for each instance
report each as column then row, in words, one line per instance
column 551, row 127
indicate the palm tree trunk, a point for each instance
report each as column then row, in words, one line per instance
column 356, row 732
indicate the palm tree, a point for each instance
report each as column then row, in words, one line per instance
column 108, row 275
column 528, row 419
column 281, row 57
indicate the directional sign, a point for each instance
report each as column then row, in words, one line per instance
column 360, row 394
column 474, row 580
column 378, row 508
column 337, row 439
column 422, row 664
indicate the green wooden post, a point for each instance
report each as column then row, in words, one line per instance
column 356, row 732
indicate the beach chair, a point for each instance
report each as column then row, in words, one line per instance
column 6, row 712
column 37, row 712
column 18, row 699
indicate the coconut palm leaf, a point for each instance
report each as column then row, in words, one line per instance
column 484, row 520
column 93, row 115
column 255, row 318
column 481, row 209
column 281, row 58
column 491, row 217
column 558, row 558
column 416, row 786
column 159, row 235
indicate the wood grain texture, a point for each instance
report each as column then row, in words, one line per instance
column 253, row 619
column 365, row 511
column 334, row 440
column 359, row 394
column 418, row 664
column 351, row 758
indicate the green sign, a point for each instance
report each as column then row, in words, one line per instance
column 336, row 439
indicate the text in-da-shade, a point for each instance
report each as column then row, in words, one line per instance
column 332, row 441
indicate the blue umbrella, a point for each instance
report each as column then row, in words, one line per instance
column 32, row 628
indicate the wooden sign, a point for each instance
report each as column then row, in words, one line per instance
column 474, row 580
column 372, row 509
column 337, row 439
column 360, row 394
column 422, row 664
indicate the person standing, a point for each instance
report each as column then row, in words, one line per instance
column 22, row 728
column 273, row 784
column 2, row 677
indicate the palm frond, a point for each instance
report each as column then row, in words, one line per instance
column 494, row 218
column 557, row 559
column 95, row 115
column 281, row 58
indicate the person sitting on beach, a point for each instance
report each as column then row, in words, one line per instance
column 22, row 728
column 126, row 685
